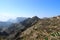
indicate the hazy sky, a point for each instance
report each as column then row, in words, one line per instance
column 28, row 8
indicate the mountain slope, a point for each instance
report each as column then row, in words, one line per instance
column 35, row 29
column 16, row 28
column 44, row 29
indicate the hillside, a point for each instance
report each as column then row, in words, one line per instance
column 34, row 29
column 17, row 28
column 44, row 29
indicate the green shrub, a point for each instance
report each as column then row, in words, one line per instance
column 46, row 38
column 53, row 34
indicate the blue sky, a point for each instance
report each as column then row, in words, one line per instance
column 28, row 8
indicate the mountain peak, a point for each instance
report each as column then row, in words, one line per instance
column 35, row 17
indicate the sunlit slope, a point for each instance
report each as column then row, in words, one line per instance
column 44, row 29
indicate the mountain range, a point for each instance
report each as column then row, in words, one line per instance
column 4, row 25
column 34, row 28
column 17, row 20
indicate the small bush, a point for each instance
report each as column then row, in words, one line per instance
column 46, row 38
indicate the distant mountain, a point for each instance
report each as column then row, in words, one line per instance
column 17, row 20
column 5, row 25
